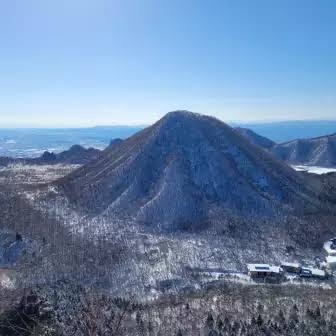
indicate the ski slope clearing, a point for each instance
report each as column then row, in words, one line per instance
column 315, row 169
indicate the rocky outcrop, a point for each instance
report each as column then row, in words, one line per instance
column 11, row 248
column 115, row 142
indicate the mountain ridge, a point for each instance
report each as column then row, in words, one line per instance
column 255, row 138
column 76, row 155
column 317, row 151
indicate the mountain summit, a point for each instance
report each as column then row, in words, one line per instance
column 186, row 170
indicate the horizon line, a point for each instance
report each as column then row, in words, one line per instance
column 241, row 122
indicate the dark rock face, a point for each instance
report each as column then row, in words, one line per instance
column 48, row 157
column 255, row 138
column 187, row 169
column 115, row 142
column 319, row 151
column 5, row 161
column 11, row 248
column 78, row 155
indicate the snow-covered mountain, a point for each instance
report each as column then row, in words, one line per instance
column 319, row 151
column 188, row 171
column 187, row 193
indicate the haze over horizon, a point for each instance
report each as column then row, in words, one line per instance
column 233, row 123
column 88, row 63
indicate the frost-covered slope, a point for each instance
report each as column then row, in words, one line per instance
column 255, row 138
column 319, row 151
column 187, row 171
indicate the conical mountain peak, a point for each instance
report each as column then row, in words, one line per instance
column 186, row 168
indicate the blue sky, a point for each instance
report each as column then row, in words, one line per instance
column 94, row 62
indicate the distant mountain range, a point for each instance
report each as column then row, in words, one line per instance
column 75, row 155
column 34, row 142
column 28, row 143
column 188, row 172
column 320, row 151
column 285, row 131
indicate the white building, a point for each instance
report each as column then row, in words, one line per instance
column 263, row 270
column 330, row 247
column 331, row 262
column 317, row 273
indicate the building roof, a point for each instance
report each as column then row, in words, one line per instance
column 329, row 247
column 263, row 268
column 286, row 264
column 331, row 259
column 317, row 272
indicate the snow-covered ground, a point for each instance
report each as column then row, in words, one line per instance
column 315, row 169
column 34, row 174
column 5, row 280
